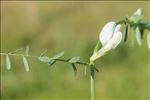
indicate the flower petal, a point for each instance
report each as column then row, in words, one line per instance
column 107, row 32
column 116, row 39
column 118, row 27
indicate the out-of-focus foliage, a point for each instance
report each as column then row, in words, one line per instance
column 74, row 28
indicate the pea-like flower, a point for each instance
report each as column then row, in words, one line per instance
column 110, row 37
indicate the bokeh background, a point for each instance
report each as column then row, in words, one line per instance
column 72, row 27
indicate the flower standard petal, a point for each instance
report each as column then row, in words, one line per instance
column 107, row 32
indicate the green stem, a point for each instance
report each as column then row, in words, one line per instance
column 92, row 86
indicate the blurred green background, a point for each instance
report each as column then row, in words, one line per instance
column 72, row 27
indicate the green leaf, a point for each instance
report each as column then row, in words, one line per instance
column 44, row 59
column 26, row 65
column 126, row 33
column 97, row 47
column 8, row 63
column 84, row 70
column 74, row 68
column 137, row 16
column 147, row 25
column 133, row 33
column 138, row 36
column 17, row 50
column 58, row 55
column 43, row 53
column 148, row 40
column 74, row 59
column 51, row 62
column 27, row 50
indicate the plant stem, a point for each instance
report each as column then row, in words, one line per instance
column 92, row 86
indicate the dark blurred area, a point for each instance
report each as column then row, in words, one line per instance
column 72, row 27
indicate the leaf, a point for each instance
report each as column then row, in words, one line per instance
column 133, row 33
column 138, row 36
column 137, row 16
column 148, row 40
column 84, row 70
column 43, row 53
column 44, row 59
column 51, row 62
column 74, row 68
column 126, row 33
column 74, row 59
column 26, row 65
column 58, row 55
column 17, row 50
column 8, row 63
column 97, row 47
column 27, row 50
column 147, row 25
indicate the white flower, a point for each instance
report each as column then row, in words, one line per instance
column 110, row 37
